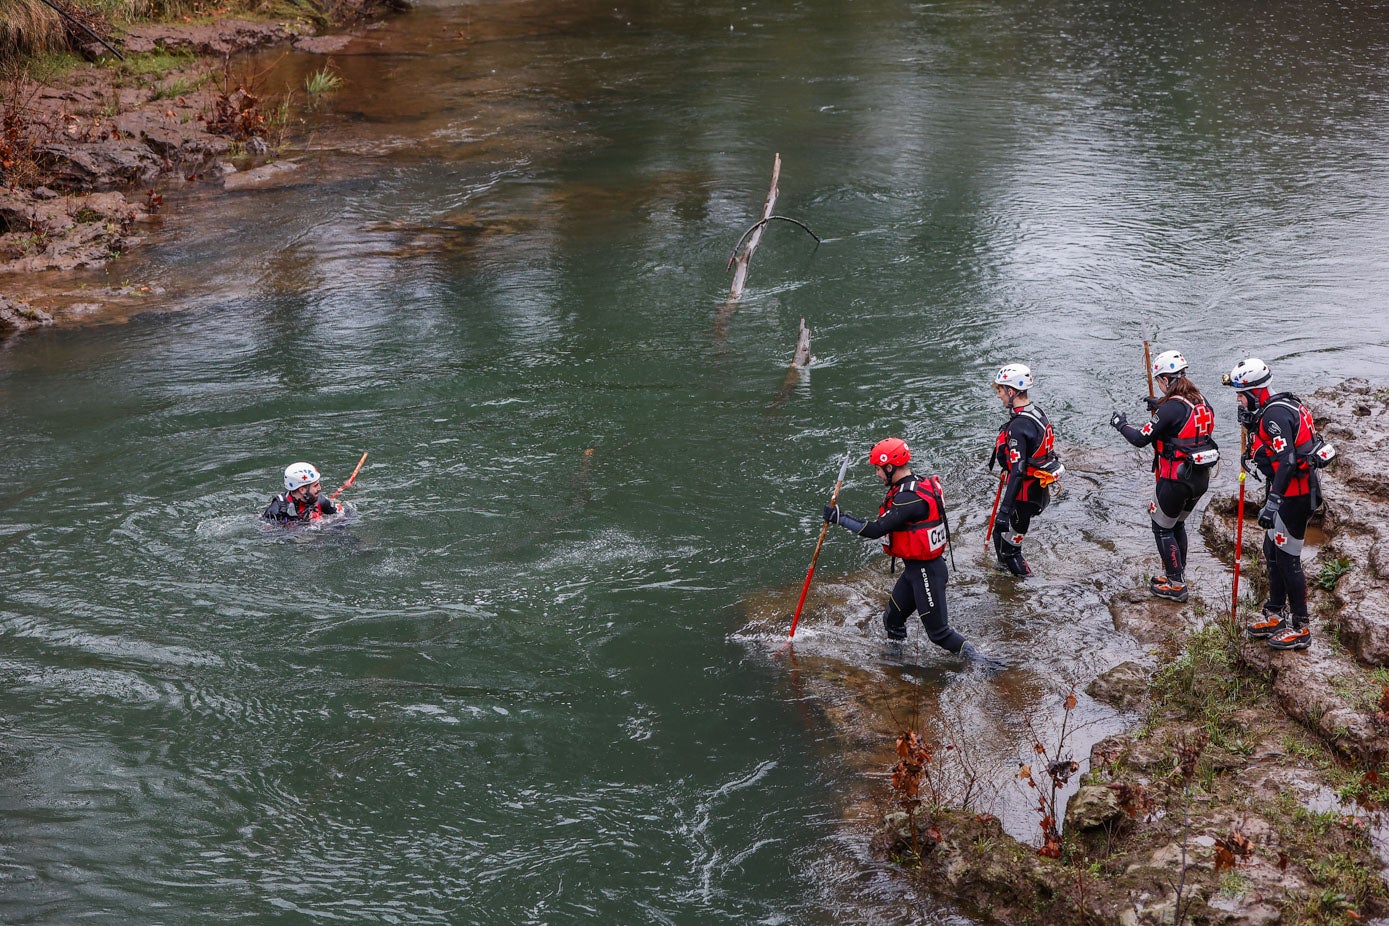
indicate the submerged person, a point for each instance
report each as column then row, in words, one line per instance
column 912, row 518
column 303, row 500
column 1284, row 448
column 1024, row 451
column 1183, row 454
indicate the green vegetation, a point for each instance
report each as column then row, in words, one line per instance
column 1331, row 573
column 1206, row 683
column 321, row 82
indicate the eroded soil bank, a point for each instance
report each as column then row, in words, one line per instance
column 1245, row 789
column 87, row 152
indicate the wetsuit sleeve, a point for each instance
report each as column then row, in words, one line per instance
column 326, row 505
column 906, row 508
column 275, row 511
column 1021, row 444
column 1280, row 426
column 1165, row 424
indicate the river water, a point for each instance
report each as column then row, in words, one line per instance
column 538, row 677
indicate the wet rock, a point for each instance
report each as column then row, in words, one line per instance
column 99, row 167
column 16, row 316
column 1316, row 687
column 216, row 38
column 279, row 173
column 1125, row 686
column 1151, row 620
column 1095, row 807
column 322, row 44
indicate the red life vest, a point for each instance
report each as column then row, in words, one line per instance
column 1269, row 449
column 1194, row 436
column 923, row 539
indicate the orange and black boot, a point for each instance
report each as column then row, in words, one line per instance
column 1265, row 625
column 1169, row 588
column 1296, row 635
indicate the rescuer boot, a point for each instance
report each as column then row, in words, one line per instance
column 1171, row 589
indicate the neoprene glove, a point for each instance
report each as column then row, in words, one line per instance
column 832, row 514
column 850, row 522
column 1152, row 402
column 1270, row 510
column 1118, row 420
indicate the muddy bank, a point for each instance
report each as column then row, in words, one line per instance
column 1246, row 786
column 87, row 154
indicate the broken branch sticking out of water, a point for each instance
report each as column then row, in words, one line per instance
column 757, row 226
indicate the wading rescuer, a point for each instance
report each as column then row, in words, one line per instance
column 303, row 500
column 1030, row 466
column 1183, row 456
column 912, row 517
column 1284, row 449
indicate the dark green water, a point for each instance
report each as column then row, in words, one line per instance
column 519, row 687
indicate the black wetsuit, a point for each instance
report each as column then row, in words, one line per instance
column 1025, row 440
column 1281, row 427
column 1180, row 484
column 288, row 510
column 921, row 587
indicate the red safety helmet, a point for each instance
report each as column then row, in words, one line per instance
column 890, row 452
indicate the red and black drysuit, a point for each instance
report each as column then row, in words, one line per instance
column 1282, row 441
column 912, row 518
column 1180, row 434
column 1024, row 443
column 286, row 509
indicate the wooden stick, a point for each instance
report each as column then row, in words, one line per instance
column 1148, row 362
column 824, row 529
column 740, row 273
column 352, row 478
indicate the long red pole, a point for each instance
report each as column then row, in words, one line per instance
column 824, row 529
column 352, row 478
column 1239, row 526
column 1002, row 477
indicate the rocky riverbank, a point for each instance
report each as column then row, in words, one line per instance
column 1247, row 789
column 86, row 154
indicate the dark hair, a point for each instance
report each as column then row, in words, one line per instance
column 1185, row 389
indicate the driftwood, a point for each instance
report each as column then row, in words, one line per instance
column 741, row 261
column 801, row 358
column 797, row 373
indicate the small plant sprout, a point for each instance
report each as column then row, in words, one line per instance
column 322, row 81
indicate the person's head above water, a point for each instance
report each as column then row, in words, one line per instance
column 302, row 481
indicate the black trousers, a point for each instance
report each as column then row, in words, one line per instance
column 921, row 588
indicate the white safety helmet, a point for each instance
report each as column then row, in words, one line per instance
column 1169, row 363
column 1251, row 373
column 1014, row 375
column 298, row 475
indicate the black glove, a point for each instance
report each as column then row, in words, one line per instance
column 832, row 514
column 983, row 661
column 1118, row 420
column 1270, row 510
column 1152, row 401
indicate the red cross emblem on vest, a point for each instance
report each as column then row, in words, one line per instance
column 1279, row 539
column 1147, row 429
column 1279, row 445
column 1013, row 455
column 1204, row 420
